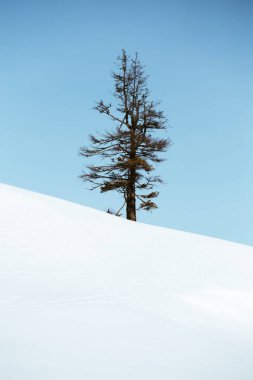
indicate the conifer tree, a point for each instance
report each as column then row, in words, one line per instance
column 130, row 151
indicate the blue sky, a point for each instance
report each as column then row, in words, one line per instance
column 55, row 62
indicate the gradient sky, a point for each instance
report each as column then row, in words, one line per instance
column 55, row 62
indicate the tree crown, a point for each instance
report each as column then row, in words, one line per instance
column 131, row 150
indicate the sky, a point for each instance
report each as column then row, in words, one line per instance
column 56, row 59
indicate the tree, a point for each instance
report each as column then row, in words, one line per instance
column 130, row 151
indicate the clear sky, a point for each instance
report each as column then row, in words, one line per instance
column 55, row 62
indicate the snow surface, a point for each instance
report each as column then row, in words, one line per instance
column 86, row 295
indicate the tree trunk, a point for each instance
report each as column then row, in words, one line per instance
column 131, row 201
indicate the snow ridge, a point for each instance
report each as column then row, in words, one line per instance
column 86, row 295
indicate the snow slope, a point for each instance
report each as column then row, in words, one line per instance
column 85, row 296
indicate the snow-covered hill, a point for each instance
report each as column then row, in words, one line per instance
column 85, row 296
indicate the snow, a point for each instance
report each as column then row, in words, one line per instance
column 86, row 295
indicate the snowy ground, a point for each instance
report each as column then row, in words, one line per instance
column 85, row 296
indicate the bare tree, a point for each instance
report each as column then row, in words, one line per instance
column 130, row 151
